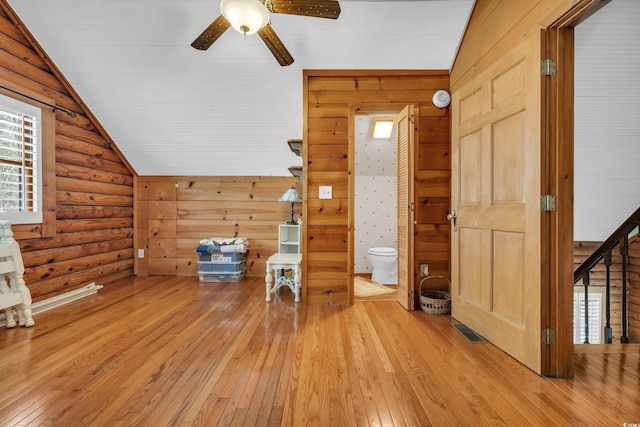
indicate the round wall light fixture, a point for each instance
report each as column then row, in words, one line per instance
column 441, row 99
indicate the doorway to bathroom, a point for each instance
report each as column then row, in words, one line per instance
column 406, row 132
column 374, row 201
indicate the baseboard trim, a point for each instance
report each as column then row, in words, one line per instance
column 58, row 300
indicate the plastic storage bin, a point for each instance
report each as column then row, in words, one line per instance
column 215, row 276
column 219, row 257
column 221, row 267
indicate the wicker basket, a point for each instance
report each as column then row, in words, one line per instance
column 435, row 302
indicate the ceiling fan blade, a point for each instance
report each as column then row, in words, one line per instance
column 315, row 8
column 273, row 42
column 211, row 34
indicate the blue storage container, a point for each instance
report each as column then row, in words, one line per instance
column 221, row 267
column 219, row 257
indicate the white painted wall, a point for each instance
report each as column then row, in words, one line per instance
column 174, row 110
column 607, row 120
column 376, row 207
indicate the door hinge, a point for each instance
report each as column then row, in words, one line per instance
column 411, row 207
column 547, row 203
column 548, row 67
column 548, row 336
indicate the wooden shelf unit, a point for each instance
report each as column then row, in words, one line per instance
column 289, row 238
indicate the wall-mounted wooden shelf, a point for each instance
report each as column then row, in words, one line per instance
column 296, row 146
column 296, row 171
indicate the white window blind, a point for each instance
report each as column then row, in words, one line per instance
column 20, row 163
column 595, row 308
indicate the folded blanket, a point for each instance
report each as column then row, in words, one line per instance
column 237, row 249
column 216, row 244
column 223, row 241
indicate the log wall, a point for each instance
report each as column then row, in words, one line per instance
column 330, row 97
column 174, row 213
column 87, row 234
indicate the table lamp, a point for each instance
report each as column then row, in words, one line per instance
column 291, row 196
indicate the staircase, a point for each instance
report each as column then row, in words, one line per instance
column 614, row 268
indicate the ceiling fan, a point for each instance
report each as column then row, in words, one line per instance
column 252, row 16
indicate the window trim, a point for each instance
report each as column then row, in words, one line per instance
column 47, row 227
column 33, row 178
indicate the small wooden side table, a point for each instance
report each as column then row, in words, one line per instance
column 284, row 261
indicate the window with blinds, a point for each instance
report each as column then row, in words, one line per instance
column 595, row 308
column 20, row 163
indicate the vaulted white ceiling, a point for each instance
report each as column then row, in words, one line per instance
column 227, row 111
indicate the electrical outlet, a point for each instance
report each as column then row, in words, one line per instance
column 424, row 270
column 140, row 253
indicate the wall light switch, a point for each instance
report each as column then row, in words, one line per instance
column 140, row 253
column 326, row 192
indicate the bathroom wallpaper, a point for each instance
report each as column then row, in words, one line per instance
column 375, row 194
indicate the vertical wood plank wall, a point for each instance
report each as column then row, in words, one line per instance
column 329, row 96
column 174, row 213
column 93, row 238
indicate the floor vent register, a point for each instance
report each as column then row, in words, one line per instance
column 468, row 333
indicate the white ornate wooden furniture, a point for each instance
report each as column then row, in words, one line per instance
column 14, row 294
column 279, row 262
column 289, row 238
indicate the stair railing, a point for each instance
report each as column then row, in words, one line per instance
column 620, row 238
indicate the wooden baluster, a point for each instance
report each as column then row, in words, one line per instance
column 608, row 332
column 624, row 254
column 585, row 282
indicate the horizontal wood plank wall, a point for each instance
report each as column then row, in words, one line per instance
column 329, row 96
column 174, row 213
column 93, row 191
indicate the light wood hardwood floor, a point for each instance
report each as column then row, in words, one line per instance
column 168, row 351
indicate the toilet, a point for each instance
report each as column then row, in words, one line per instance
column 385, row 265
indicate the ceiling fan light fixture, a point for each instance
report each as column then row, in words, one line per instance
column 245, row 16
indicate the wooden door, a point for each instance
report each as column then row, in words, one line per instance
column 496, row 176
column 405, row 162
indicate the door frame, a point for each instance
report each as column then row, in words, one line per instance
column 392, row 108
column 558, row 180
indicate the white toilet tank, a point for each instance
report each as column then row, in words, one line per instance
column 385, row 265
